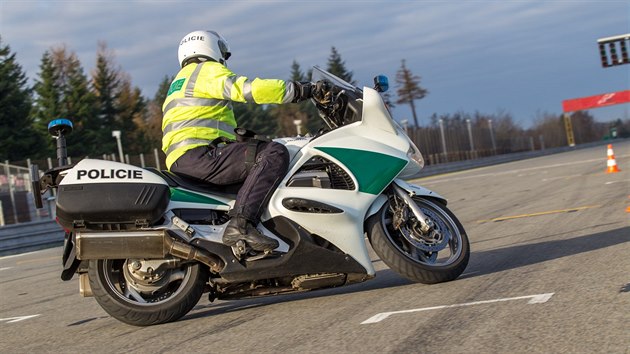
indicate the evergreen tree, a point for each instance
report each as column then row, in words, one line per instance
column 62, row 91
column 19, row 138
column 78, row 106
column 310, row 120
column 255, row 117
column 286, row 116
column 106, row 87
column 296, row 72
column 337, row 67
column 409, row 89
column 162, row 91
column 47, row 94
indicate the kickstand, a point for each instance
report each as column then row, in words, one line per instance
column 258, row 256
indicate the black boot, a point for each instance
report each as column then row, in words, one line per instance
column 241, row 229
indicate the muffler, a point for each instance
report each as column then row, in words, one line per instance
column 146, row 244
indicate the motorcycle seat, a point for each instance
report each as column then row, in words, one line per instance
column 193, row 184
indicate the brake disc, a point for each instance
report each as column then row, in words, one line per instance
column 151, row 276
column 432, row 241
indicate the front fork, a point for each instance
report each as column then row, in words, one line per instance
column 426, row 224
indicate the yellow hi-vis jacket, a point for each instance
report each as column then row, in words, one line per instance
column 198, row 107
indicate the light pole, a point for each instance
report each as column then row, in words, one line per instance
column 443, row 140
column 116, row 134
column 494, row 144
column 298, row 125
column 470, row 138
column 405, row 124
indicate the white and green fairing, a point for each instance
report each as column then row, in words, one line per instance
column 373, row 152
column 185, row 199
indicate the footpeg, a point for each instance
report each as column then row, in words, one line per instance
column 243, row 252
column 240, row 249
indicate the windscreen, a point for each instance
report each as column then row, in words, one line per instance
column 320, row 74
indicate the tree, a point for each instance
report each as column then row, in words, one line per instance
column 132, row 108
column 78, row 105
column 585, row 129
column 62, row 91
column 409, row 89
column 106, row 84
column 286, row 116
column 19, row 138
column 507, row 132
column 47, row 105
column 296, row 72
column 47, row 102
column 150, row 123
column 255, row 117
column 337, row 66
column 387, row 98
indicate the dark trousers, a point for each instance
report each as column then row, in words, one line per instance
column 225, row 165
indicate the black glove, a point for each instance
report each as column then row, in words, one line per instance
column 243, row 134
column 322, row 92
column 303, row 91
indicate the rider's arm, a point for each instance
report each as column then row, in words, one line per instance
column 224, row 83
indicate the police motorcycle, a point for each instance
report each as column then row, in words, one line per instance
column 147, row 243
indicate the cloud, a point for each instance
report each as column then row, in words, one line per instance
column 472, row 55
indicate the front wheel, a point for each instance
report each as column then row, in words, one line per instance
column 145, row 292
column 436, row 256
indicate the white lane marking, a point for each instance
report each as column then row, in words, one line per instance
column 437, row 179
column 5, row 268
column 16, row 319
column 611, row 182
column 22, row 254
column 534, row 299
column 559, row 177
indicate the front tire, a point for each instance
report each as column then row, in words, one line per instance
column 413, row 255
column 128, row 296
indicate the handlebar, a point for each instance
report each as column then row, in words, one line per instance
column 330, row 100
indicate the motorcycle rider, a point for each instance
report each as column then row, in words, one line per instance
column 197, row 114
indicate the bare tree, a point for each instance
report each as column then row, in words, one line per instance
column 409, row 89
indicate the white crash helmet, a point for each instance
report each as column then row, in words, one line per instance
column 204, row 44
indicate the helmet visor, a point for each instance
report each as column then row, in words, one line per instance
column 224, row 48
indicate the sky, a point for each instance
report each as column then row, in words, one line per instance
column 520, row 57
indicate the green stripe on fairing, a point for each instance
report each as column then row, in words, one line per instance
column 373, row 170
column 179, row 195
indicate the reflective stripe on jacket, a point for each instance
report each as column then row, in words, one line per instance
column 198, row 107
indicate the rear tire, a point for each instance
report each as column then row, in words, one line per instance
column 418, row 265
column 144, row 305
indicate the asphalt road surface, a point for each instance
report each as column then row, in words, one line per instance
column 549, row 273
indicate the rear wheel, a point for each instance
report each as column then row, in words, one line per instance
column 436, row 256
column 146, row 292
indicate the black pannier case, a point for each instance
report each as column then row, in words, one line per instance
column 111, row 206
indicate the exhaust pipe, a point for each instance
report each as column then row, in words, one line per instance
column 152, row 244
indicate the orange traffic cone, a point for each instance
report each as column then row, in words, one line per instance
column 612, row 164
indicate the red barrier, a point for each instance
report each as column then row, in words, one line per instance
column 603, row 100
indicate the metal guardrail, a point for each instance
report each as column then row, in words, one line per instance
column 448, row 167
column 30, row 236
